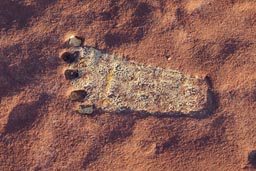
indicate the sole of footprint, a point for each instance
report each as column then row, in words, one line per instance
column 115, row 84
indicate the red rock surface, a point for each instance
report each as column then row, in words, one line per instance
column 39, row 129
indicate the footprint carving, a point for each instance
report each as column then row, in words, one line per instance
column 112, row 83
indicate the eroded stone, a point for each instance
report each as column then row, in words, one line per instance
column 75, row 41
column 78, row 95
column 86, row 109
column 114, row 83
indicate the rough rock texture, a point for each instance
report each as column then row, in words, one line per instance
column 115, row 84
column 39, row 129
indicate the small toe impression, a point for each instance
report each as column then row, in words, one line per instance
column 78, row 95
column 86, row 109
column 71, row 74
column 252, row 158
column 68, row 57
column 75, row 41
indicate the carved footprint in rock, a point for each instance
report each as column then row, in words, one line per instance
column 111, row 83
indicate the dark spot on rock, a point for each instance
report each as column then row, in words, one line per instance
column 92, row 155
column 170, row 143
column 117, row 39
column 68, row 57
column 203, row 142
column 113, row 39
column 78, row 95
column 24, row 115
column 105, row 16
column 209, row 81
column 252, row 158
column 71, row 74
column 180, row 18
column 253, row 95
column 229, row 48
column 141, row 15
column 142, row 9
column 179, row 13
column 37, row 168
